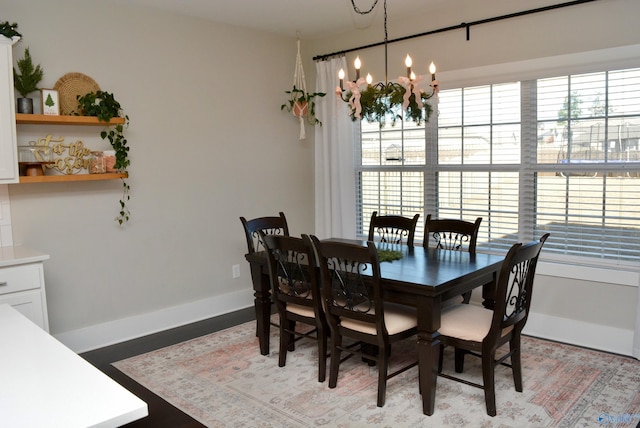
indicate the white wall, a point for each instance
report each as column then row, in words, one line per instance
column 208, row 144
column 589, row 307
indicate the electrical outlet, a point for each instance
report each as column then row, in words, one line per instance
column 235, row 271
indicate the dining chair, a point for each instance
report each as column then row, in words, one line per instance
column 452, row 234
column 268, row 225
column 393, row 229
column 479, row 331
column 296, row 291
column 350, row 283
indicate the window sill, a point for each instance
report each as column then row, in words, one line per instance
column 622, row 276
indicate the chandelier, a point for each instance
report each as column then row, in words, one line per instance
column 381, row 101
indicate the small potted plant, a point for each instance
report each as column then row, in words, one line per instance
column 302, row 104
column 27, row 81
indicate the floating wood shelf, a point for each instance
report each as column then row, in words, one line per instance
column 41, row 119
column 71, row 177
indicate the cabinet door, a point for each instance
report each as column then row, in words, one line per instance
column 8, row 149
column 30, row 304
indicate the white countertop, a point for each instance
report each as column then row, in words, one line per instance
column 45, row 384
column 10, row 256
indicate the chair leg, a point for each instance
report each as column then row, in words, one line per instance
column 383, row 367
column 335, row 360
column 322, row 354
column 441, row 357
column 459, row 359
column 292, row 337
column 285, row 341
column 488, row 378
column 516, row 364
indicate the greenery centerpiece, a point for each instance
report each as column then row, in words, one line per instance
column 388, row 255
column 104, row 106
column 26, row 81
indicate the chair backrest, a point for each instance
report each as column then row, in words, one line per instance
column 393, row 229
column 350, row 282
column 292, row 270
column 268, row 225
column 515, row 286
column 451, row 234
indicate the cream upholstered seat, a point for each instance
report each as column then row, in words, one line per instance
column 352, row 295
column 296, row 290
column 479, row 331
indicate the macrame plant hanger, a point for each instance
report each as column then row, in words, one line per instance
column 300, row 110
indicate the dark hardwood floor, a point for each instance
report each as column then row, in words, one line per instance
column 161, row 413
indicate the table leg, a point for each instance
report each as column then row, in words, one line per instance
column 262, row 303
column 489, row 292
column 428, row 351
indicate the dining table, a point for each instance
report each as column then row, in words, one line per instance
column 421, row 277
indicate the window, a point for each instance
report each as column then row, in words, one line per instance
column 558, row 154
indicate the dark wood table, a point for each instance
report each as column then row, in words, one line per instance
column 422, row 278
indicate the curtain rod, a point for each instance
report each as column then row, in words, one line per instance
column 466, row 25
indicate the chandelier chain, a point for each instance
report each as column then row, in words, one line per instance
column 357, row 9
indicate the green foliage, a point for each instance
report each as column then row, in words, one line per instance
column 381, row 103
column 9, row 30
column 104, row 105
column 570, row 108
column 299, row 95
column 101, row 104
column 29, row 77
column 388, row 255
column 49, row 101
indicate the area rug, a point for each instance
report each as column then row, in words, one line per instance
column 222, row 380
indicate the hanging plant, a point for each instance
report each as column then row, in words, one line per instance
column 104, row 106
column 301, row 103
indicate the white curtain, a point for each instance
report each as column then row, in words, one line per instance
column 334, row 156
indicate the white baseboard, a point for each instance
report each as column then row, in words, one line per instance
column 580, row 333
column 605, row 338
column 98, row 336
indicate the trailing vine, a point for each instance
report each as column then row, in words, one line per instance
column 104, row 106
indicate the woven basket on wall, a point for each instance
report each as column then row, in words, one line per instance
column 69, row 87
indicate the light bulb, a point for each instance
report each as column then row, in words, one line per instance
column 407, row 61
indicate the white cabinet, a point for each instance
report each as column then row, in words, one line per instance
column 8, row 146
column 22, row 283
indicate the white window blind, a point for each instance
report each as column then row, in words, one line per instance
column 558, row 154
column 588, row 175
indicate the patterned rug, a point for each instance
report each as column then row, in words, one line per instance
column 222, row 380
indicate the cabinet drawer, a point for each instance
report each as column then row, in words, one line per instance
column 19, row 278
